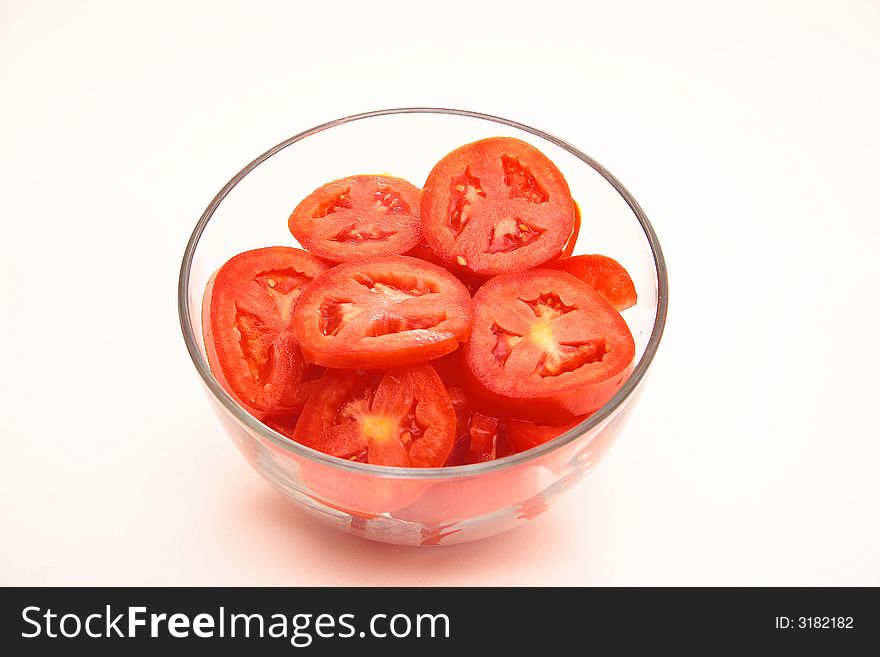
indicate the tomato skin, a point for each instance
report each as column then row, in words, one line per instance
column 523, row 435
column 401, row 417
column 385, row 312
column 572, row 241
column 496, row 205
column 603, row 274
column 545, row 347
column 358, row 217
column 246, row 313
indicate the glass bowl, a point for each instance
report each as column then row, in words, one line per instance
column 411, row 506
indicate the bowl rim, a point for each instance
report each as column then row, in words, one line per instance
column 443, row 472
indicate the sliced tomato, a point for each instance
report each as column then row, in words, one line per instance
column 471, row 281
column 283, row 424
column 424, row 252
column 603, row 274
column 400, row 418
column 460, row 453
column 523, row 435
column 382, row 313
column 451, row 368
column 359, row 217
column 247, row 312
column 572, row 241
column 484, row 434
column 496, row 205
column 461, row 405
column 545, row 346
column 479, row 437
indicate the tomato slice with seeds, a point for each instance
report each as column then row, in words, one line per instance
column 359, row 217
column 400, row 418
column 382, row 313
column 546, row 346
column 603, row 274
column 496, row 205
column 523, row 435
column 246, row 324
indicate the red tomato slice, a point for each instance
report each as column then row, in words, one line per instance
column 452, row 369
column 460, row 453
column 572, row 241
column 545, row 346
column 479, row 437
column 246, row 323
column 382, row 313
column 359, row 217
column 403, row 418
column 496, row 205
column 471, row 281
column 603, row 274
column 484, row 434
column 424, row 252
column 283, row 424
column 460, row 404
column 523, row 435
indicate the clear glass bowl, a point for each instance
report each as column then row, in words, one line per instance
column 435, row 505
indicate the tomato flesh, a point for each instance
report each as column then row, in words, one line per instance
column 496, row 205
column 484, row 433
column 247, row 312
column 546, row 346
column 471, row 281
column 382, row 313
column 603, row 274
column 523, row 435
column 479, row 436
column 402, row 417
column 359, row 217
column 572, row 241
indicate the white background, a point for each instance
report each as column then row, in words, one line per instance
column 748, row 131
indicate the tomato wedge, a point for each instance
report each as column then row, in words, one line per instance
column 246, row 323
column 496, row 205
column 545, row 346
column 359, row 217
column 382, row 313
column 523, row 435
column 603, row 274
column 400, row 418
